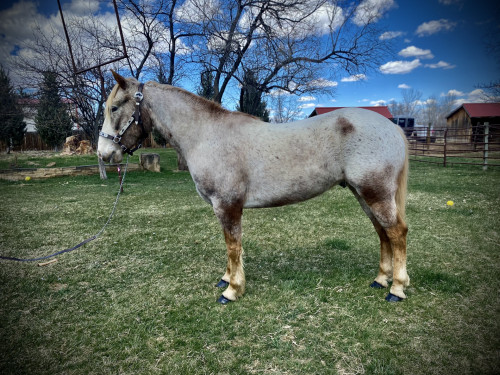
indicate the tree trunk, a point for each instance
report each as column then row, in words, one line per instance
column 181, row 163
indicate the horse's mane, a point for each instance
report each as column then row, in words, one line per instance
column 212, row 107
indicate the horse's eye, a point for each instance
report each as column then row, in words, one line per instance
column 114, row 108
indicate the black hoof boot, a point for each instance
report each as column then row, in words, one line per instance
column 223, row 300
column 393, row 298
column 376, row 285
column 222, row 284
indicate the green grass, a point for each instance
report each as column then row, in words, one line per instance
column 140, row 299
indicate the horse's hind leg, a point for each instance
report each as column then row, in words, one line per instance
column 397, row 237
column 395, row 228
column 385, row 268
column 234, row 278
column 392, row 231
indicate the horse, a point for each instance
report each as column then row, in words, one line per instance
column 238, row 161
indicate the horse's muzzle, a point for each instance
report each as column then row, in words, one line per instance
column 113, row 157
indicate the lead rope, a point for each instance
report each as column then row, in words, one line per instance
column 88, row 239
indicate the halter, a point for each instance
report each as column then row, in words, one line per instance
column 136, row 118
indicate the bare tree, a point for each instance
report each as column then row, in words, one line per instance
column 157, row 39
column 288, row 44
column 434, row 111
column 284, row 107
column 410, row 101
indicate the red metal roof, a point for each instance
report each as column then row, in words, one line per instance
column 383, row 110
column 479, row 109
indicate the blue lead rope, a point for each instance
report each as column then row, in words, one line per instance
column 83, row 242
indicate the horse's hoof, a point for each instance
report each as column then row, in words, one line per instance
column 222, row 284
column 393, row 298
column 376, row 285
column 223, row 300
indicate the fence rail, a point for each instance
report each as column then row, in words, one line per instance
column 474, row 145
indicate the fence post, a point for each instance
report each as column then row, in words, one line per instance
column 428, row 136
column 444, row 147
column 485, row 152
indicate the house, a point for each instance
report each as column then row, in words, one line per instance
column 464, row 122
column 29, row 107
column 383, row 110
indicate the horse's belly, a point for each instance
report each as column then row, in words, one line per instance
column 288, row 191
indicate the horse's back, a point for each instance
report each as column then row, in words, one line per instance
column 297, row 161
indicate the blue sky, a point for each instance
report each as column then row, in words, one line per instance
column 439, row 47
column 431, row 31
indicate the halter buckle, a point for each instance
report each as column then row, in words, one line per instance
column 138, row 96
column 117, row 139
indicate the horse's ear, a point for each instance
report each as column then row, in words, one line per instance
column 122, row 82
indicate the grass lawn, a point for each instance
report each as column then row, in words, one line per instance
column 141, row 298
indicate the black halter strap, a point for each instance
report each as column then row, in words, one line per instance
column 135, row 119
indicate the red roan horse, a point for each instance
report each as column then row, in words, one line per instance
column 238, row 161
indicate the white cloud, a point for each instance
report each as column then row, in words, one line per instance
column 400, row 67
column 307, row 105
column 307, row 98
column 477, row 96
column 17, row 25
column 370, row 11
column 413, row 51
column 81, row 8
column 452, row 2
column 453, row 92
column 404, row 86
column 327, row 18
column 391, row 35
column 435, row 26
column 441, row 64
column 279, row 92
column 322, row 83
column 378, row 103
column 354, row 78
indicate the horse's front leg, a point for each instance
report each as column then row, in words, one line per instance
column 234, row 278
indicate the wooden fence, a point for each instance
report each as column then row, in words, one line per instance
column 474, row 145
column 33, row 142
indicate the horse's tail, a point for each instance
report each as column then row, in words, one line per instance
column 402, row 182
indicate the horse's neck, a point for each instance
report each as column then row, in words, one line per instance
column 189, row 120
column 174, row 117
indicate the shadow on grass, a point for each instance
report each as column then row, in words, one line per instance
column 333, row 263
column 438, row 281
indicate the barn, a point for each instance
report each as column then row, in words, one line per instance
column 466, row 122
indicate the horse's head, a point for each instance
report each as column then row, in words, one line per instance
column 122, row 130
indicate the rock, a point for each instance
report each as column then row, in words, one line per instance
column 150, row 162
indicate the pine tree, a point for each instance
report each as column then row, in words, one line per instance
column 206, row 89
column 12, row 126
column 53, row 122
column 251, row 98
